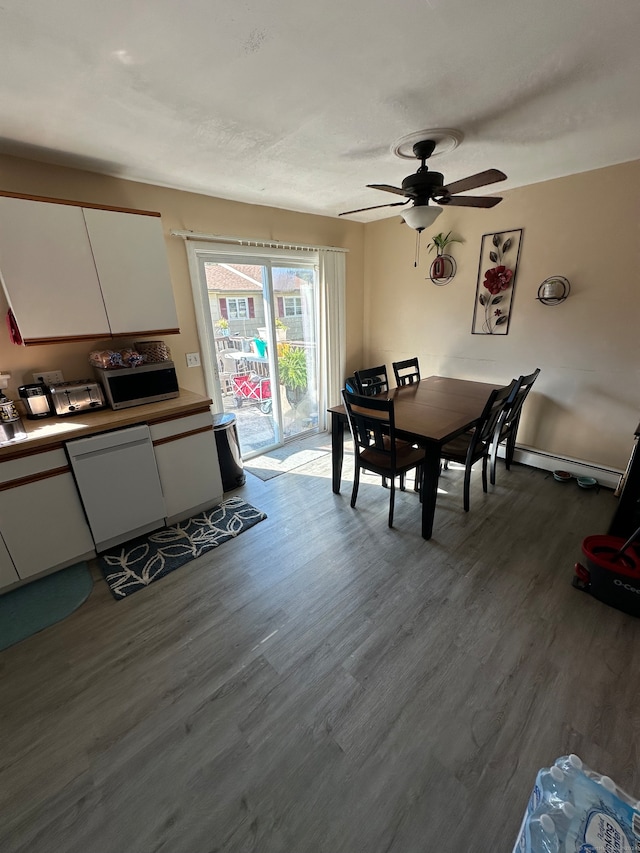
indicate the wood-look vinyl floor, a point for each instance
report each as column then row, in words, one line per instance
column 323, row 684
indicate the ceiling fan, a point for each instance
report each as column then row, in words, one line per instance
column 425, row 186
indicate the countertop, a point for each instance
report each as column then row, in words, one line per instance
column 47, row 433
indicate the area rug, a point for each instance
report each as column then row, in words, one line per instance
column 41, row 603
column 287, row 458
column 138, row 563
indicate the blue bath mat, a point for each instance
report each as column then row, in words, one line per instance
column 30, row 608
column 138, row 563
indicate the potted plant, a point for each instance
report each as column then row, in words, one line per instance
column 281, row 330
column 292, row 367
column 440, row 242
column 222, row 325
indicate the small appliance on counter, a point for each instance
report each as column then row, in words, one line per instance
column 35, row 398
column 75, row 398
column 11, row 426
column 134, row 386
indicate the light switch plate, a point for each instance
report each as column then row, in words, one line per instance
column 193, row 359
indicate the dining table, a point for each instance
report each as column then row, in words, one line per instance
column 428, row 413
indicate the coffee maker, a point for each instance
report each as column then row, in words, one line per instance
column 11, row 426
column 36, row 400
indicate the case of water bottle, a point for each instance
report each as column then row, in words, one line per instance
column 575, row 809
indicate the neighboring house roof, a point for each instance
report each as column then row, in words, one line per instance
column 240, row 278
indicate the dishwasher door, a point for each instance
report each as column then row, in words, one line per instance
column 119, row 486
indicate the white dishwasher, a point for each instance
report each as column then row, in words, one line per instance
column 119, row 486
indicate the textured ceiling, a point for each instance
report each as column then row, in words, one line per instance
column 296, row 105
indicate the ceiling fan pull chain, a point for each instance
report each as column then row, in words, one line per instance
column 417, row 260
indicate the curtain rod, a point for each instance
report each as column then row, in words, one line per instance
column 244, row 241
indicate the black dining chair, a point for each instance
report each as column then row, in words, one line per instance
column 372, row 425
column 372, row 380
column 406, row 372
column 506, row 428
column 474, row 445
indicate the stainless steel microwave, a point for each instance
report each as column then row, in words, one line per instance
column 134, row 386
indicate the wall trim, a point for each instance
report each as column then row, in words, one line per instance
column 609, row 477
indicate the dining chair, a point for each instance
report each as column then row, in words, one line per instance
column 406, row 372
column 506, row 428
column 377, row 449
column 474, row 445
column 372, row 380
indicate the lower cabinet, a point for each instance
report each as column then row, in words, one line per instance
column 41, row 518
column 187, row 460
column 8, row 574
column 43, row 526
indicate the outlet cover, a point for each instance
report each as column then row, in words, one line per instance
column 193, row 359
column 49, row 377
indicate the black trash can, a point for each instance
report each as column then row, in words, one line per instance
column 231, row 468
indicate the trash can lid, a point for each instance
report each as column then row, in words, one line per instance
column 223, row 420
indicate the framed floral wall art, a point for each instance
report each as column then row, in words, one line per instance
column 499, row 255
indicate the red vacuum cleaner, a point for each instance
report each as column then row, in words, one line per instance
column 612, row 571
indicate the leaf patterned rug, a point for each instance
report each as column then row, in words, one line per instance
column 138, row 563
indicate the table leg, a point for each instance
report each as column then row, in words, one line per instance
column 337, row 449
column 430, row 475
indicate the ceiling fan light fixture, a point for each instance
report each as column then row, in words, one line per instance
column 421, row 217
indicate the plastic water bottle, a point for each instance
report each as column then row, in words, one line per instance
column 563, row 816
column 541, row 836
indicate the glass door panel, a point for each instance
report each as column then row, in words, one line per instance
column 264, row 320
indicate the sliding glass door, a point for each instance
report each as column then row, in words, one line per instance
column 261, row 356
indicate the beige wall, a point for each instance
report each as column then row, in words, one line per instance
column 183, row 211
column 586, row 403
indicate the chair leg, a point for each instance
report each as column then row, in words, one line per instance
column 494, row 460
column 392, row 497
column 467, row 484
column 510, row 449
column 484, row 473
column 402, row 482
column 356, row 483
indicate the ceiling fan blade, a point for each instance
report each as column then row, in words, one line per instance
column 387, row 188
column 490, row 176
column 472, row 201
column 375, row 207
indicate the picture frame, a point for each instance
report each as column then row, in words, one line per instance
column 495, row 287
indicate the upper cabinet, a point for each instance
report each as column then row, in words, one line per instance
column 131, row 261
column 78, row 273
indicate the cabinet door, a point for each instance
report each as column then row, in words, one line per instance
column 43, row 525
column 187, row 460
column 131, row 260
column 48, row 271
column 8, row 574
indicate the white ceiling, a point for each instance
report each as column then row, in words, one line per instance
column 296, row 104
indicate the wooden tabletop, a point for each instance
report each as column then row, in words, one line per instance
column 436, row 408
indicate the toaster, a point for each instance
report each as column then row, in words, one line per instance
column 74, row 398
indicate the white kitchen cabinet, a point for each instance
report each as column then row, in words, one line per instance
column 130, row 256
column 77, row 273
column 8, row 574
column 48, row 271
column 41, row 518
column 187, row 460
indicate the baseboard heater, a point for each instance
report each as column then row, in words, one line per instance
column 609, row 477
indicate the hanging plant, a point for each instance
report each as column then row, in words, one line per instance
column 441, row 241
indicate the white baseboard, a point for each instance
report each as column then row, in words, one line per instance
column 609, row 477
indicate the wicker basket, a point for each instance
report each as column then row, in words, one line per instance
column 153, row 351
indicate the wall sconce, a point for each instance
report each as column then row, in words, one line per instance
column 553, row 290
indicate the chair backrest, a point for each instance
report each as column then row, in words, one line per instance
column 372, row 424
column 372, row 380
column 519, row 395
column 406, row 372
column 494, row 408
